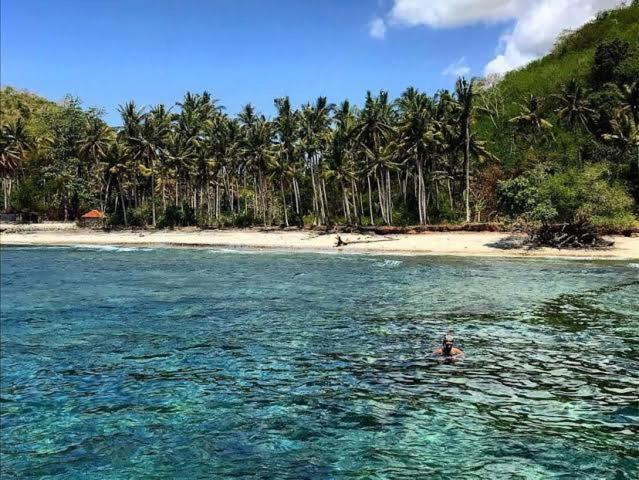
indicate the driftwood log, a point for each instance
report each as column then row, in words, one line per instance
column 567, row 235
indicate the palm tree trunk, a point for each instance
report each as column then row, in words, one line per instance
column 321, row 201
column 4, row 193
column 177, row 188
column 201, row 201
column 296, row 190
column 347, row 209
column 390, row 196
column 325, row 201
column 450, row 195
column 209, row 201
column 356, row 211
column 418, row 184
column 361, row 202
column 255, row 196
column 106, row 194
column 284, row 202
column 315, row 202
column 370, row 200
column 163, row 196
column 467, row 167
column 126, row 223
column 153, row 194
column 66, row 206
column 423, row 197
column 217, row 201
column 380, row 196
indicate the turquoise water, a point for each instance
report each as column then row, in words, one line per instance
column 177, row 363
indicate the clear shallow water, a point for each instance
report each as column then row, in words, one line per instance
column 170, row 363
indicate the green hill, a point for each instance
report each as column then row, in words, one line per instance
column 574, row 54
column 31, row 108
column 602, row 59
column 21, row 103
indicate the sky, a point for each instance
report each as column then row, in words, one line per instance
column 153, row 51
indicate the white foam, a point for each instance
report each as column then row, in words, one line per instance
column 35, row 247
column 389, row 263
column 633, row 265
column 234, row 250
column 112, row 248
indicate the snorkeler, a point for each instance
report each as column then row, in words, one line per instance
column 448, row 350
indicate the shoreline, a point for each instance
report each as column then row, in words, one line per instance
column 462, row 244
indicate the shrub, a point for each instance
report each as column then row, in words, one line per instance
column 574, row 195
column 402, row 215
column 586, row 195
column 244, row 220
column 608, row 58
column 27, row 197
column 139, row 217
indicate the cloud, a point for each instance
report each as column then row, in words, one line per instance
column 457, row 69
column 536, row 30
column 537, row 23
column 377, row 28
column 453, row 13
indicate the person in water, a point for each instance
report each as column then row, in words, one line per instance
column 448, row 348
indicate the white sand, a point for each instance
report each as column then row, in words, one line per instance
column 457, row 243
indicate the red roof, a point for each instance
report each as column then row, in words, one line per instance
column 93, row 214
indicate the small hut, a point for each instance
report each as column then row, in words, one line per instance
column 93, row 219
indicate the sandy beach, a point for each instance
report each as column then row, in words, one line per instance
column 456, row 243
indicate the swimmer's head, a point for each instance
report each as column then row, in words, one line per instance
column 447, row 343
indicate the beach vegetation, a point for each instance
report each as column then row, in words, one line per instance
column 556, row 141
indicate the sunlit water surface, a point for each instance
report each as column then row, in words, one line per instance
column 177, row 363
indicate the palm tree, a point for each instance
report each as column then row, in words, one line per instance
column 531, row 117
column 15, row 143
column 373, row 132
column 10, row 155
column 341, row 159
column 625, row 132
column 223, row 147
column 96, row 141
column 132, row 118
column 94, row 145
column 630, row 100
column 286, row 129
column 465, row 95
column 119, row 168
column 150, row 146
column 419, row 139
column 256, row 152
column 314, row 135
column 574, row 109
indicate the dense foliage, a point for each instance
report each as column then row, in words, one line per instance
column 555, row 141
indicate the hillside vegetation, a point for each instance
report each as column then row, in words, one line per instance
column 556, row 141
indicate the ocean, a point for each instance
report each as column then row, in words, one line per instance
column 206, row 363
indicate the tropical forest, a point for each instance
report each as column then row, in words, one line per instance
column 554, row 142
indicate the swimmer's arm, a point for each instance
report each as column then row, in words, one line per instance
column 456, row 351
column 438, row 352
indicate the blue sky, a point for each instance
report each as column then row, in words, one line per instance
column 108, row 52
